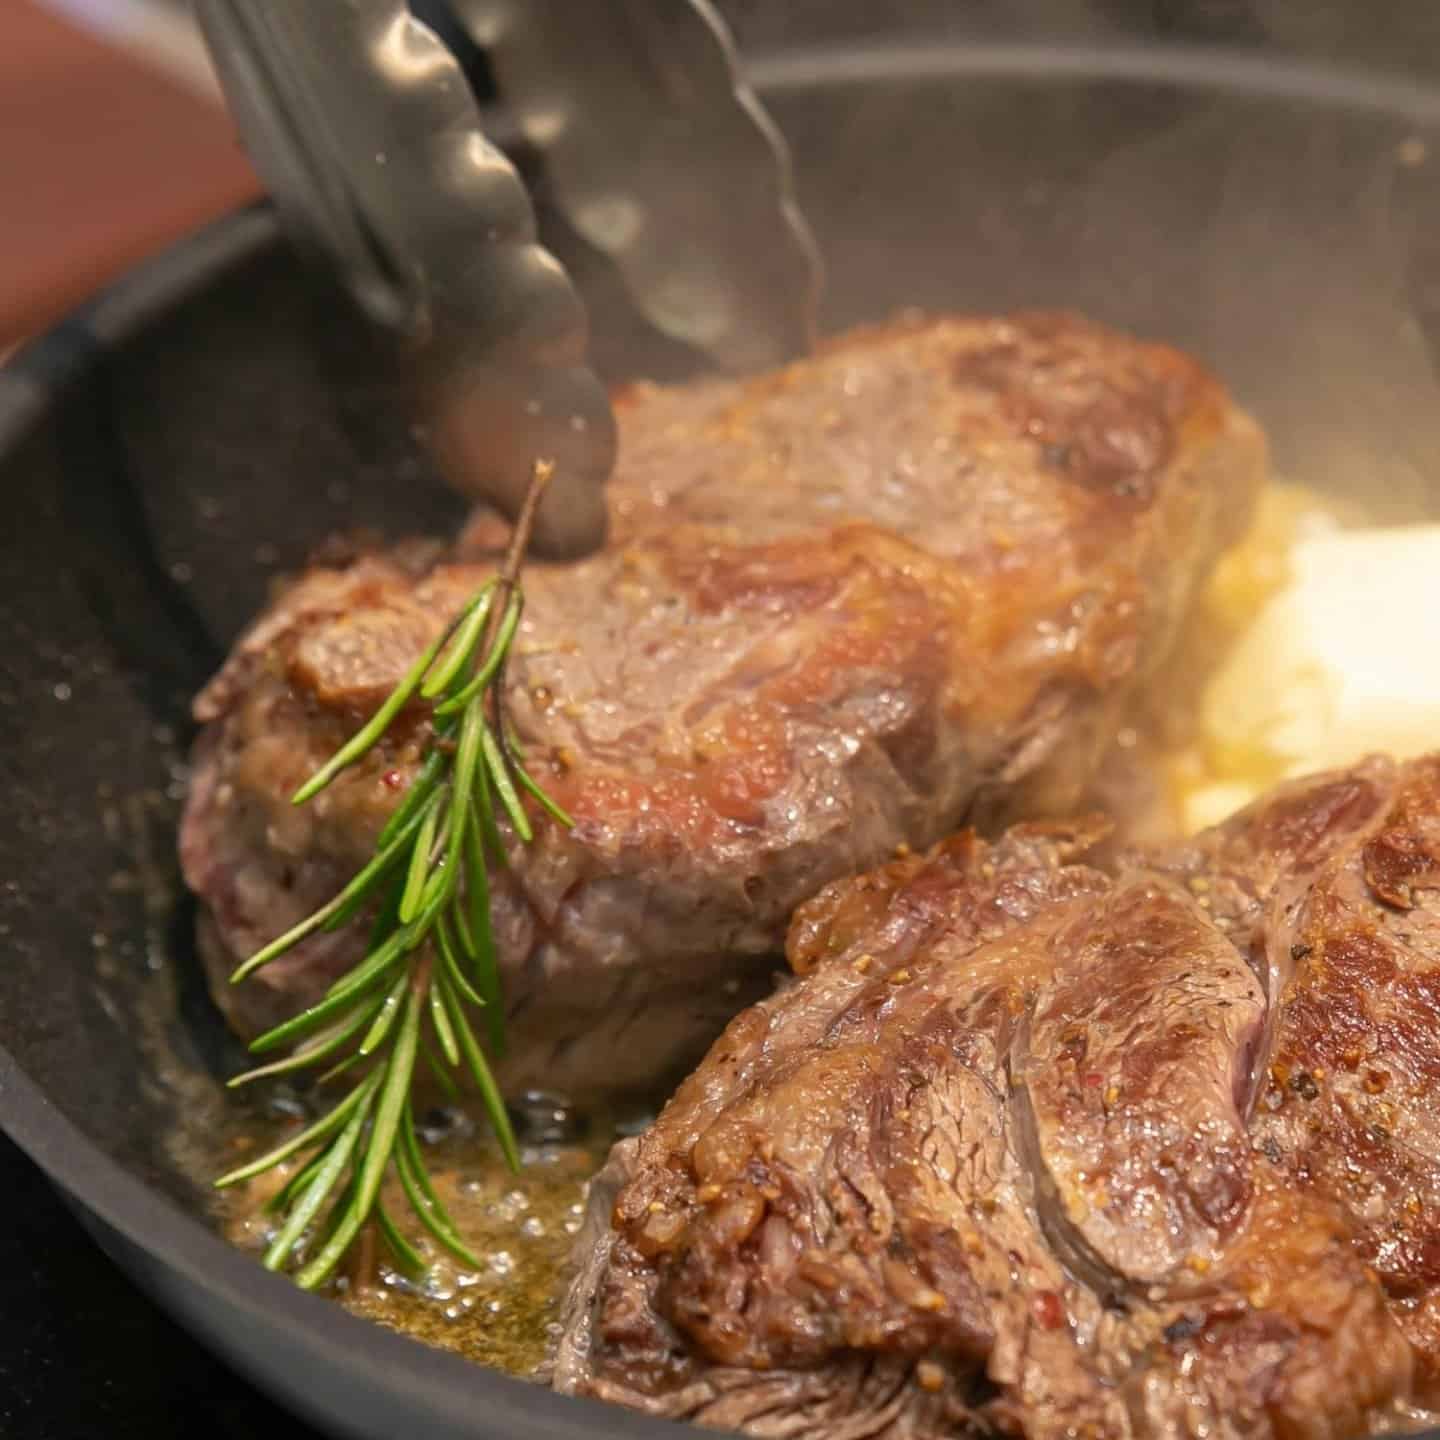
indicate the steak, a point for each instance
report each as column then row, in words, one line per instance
column 1045, row 1146
column 915, row 579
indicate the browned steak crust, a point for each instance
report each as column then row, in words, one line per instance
column 914, row 579
column 1040, row 1147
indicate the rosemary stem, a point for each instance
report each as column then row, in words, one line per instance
column 431, row 956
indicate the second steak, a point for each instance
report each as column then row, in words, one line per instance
column 1045, row 1149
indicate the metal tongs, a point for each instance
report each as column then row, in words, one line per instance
column 365, row 129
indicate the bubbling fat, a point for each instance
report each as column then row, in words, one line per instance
column 521, row 1228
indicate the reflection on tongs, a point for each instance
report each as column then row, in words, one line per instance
column 364, row 127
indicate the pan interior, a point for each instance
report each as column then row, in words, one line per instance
column 200, row 430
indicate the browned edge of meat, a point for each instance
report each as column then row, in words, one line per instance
column 917, row 578
column 1041, row 1148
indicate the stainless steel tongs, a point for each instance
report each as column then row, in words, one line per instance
column 363, row 126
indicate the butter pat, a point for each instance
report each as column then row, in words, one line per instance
column 1340, row 662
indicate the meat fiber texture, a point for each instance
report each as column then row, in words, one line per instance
column 913, row 580
column 1043, row 1147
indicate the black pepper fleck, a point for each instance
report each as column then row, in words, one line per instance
column 1182, row 1329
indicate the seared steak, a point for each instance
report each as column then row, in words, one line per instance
column 917, row 578
column 1043, row 1147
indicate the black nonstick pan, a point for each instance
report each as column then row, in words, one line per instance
column 203, row 424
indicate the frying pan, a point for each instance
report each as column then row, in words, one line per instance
column 198, row 427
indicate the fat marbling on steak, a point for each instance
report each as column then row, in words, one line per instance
column 1042, row 1146
column 916, row 578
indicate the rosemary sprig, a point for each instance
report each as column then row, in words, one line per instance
column 431, row 960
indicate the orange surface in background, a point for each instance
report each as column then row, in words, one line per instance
column 102, row 162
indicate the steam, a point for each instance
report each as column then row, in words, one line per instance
column 1277, row 233
column 1271, row 239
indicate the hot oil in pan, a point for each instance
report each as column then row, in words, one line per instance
column 520, row 1226
column 149, row 979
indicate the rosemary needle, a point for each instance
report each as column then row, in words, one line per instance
column 406, row 1255
column 431, row 956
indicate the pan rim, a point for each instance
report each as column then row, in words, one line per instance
column 1231, row 71
column 456, row 1397
column 463, row 1397
column 450, row 1392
